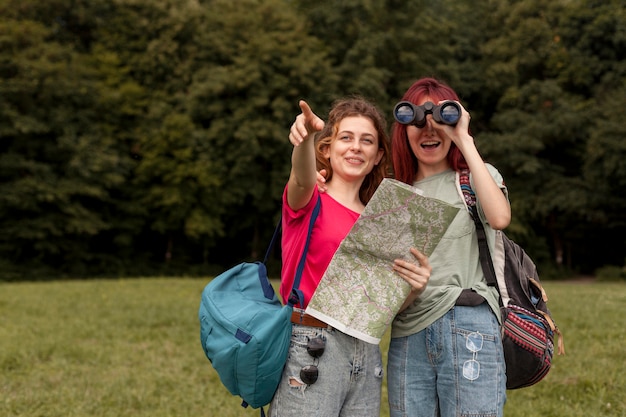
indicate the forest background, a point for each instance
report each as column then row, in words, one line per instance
column 149, row 137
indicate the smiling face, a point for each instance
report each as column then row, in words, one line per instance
column 354, row 151
column 429, row 148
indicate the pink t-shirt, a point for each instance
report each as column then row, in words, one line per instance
column 331, row 227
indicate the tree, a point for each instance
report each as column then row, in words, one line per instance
column 55, row 166
column 380, row 47
column 544, row 117
column 150, row 137
column 244, row 96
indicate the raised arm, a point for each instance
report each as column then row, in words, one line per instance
column 492, row 200
column 303, row 176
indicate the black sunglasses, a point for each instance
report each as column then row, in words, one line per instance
column 315, row 347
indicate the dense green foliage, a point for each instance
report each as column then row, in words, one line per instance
column 150, row 137
column 133, row 350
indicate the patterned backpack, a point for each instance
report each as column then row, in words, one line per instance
column 527, row 326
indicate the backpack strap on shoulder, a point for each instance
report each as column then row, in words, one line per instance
column 296, row 295
column 465, row 188
column 469, row 198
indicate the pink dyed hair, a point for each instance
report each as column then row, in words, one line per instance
column 404, row 161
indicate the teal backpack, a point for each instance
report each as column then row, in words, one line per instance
column 245, row 330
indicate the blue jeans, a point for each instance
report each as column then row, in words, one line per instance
column 426, row 375
column 349, row 382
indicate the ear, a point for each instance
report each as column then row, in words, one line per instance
column 379, row 156
column 326, row 151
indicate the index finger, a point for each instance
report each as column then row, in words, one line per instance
column 312, row 122
column 306, row 109
column 421, row 258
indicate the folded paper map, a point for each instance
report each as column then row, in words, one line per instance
column 360, row 293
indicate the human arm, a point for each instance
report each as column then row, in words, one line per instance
column 492, row 199
column 303, row 176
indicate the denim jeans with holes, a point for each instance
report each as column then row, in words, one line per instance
column 453, row 368
column 349, row 381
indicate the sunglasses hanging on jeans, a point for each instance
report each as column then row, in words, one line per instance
column 315, row 347
column 471, row 367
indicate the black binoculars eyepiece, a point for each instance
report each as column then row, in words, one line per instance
column 407, row 113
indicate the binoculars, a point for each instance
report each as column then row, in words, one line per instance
column 407, row 113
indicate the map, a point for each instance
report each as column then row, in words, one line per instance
column 360, row 293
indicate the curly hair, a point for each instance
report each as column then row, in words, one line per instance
column 350, row 107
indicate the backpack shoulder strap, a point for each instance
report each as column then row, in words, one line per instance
column 464, row 189
column 469, row 198
column 316, row 211
column 296, row 294
column 274, row 238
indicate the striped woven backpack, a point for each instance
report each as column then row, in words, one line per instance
column 528, row 329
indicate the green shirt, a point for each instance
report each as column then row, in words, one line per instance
column 455, row 260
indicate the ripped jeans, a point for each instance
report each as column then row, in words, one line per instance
column 349, row 382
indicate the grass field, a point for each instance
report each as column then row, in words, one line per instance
column 131, row 348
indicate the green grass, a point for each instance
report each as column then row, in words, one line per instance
column 131, row 348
